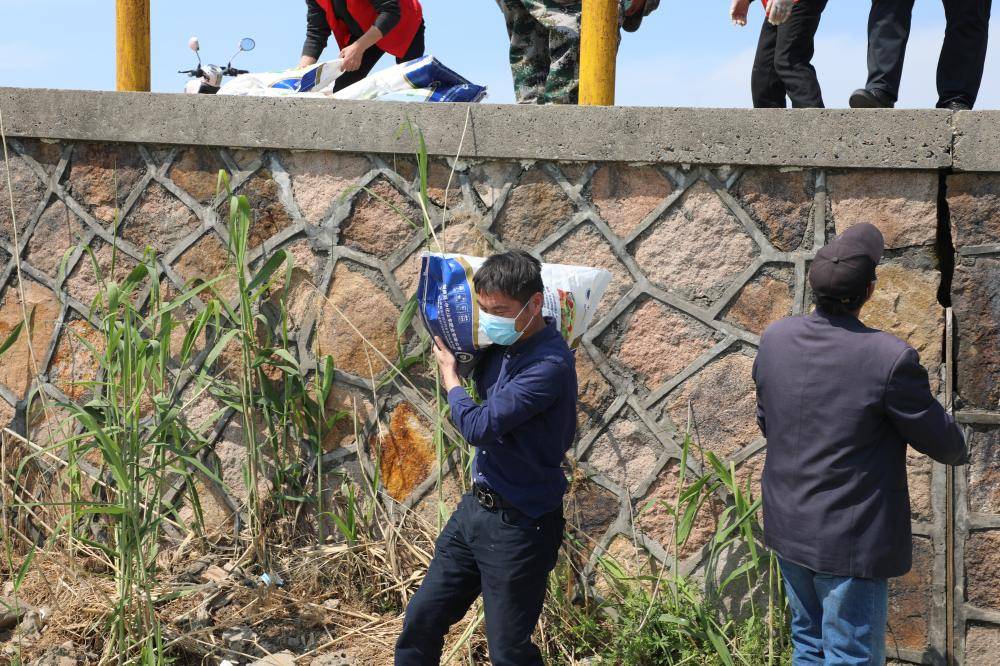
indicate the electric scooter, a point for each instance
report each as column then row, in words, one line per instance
column 207, row 79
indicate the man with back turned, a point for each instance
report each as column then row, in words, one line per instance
column 839, row 403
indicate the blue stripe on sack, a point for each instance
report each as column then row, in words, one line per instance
column 444, row 84
column 288, row 84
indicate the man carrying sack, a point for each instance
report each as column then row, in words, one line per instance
column 503, row 539
column 838, row 403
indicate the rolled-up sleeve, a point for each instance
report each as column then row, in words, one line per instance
column 918, row 417
column 530, row 392
column 388, row 15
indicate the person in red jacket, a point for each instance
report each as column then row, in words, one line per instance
column 783, row 65
column 365, row 30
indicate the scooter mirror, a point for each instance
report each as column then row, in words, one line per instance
column 194, row 45
column 247, row 44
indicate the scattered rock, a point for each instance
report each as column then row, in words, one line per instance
column 66, row 654
column 239, row 639
column 214, row 574
column 284, row 658
column 11, row 612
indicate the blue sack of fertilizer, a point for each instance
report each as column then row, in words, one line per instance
column 448, row 305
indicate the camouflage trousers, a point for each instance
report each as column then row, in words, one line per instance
column 544, row 49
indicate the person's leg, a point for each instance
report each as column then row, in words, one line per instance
column 368, row 61
column 855, row 611
column 766, row 88
column 807, row 614
column 963, row 55
column 529, row 55
column 448, row 590
column 888, row 32
column 416, row 49
column 561, row 20
column 794, row 52
column 515, row 555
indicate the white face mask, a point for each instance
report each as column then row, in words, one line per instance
column 502, row 330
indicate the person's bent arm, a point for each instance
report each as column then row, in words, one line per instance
column 355, row 51
column 317, row 34
column 918, row 417
column 530, row 393
column 387, row 19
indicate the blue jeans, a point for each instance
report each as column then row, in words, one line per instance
column 836, row 619
column 504, row 555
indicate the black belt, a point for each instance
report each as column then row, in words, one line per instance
column 490, row 499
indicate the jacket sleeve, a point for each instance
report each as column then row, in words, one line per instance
column 528, row 393
column 317, row 30
column 388, row 15
column 761, row 421
column 918, row 417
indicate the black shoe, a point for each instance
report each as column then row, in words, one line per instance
column 957, row 106
column 870, row 99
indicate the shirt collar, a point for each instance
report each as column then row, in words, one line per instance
column 544, row 335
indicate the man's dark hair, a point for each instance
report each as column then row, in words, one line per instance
column 839, row 307
column 515, row 274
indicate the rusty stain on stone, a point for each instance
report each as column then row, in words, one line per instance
column 406, row 451
column 910, row 599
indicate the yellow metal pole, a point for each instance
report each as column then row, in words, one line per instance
column 598, row 52
column 132, row 40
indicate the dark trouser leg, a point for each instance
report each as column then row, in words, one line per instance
column 766, row 88
column 416, row 49
column 515, row 555
column 368, row 61
column 794, row 52
column 960, row 69
column 888, row 32
column 450, row 587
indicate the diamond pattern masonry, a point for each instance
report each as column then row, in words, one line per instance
column 703, row 260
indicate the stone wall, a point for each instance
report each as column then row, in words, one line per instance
column 704, row 251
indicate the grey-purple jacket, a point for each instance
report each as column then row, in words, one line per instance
column 838, row 403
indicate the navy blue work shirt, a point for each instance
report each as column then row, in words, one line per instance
column 526, row 422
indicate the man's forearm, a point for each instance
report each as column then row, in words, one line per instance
column 450, row 379
column 368, row 39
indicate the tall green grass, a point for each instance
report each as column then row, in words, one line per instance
column 132, row 427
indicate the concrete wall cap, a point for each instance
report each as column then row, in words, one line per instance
column 829, row 138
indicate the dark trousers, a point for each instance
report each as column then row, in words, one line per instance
column 503, row 555
column 372, row 56
column 963, row 55
column 783, row 66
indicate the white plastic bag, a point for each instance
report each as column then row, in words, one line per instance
column 317, row 79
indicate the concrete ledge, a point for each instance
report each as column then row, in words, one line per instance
column 977, row 140
column 808, row 138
